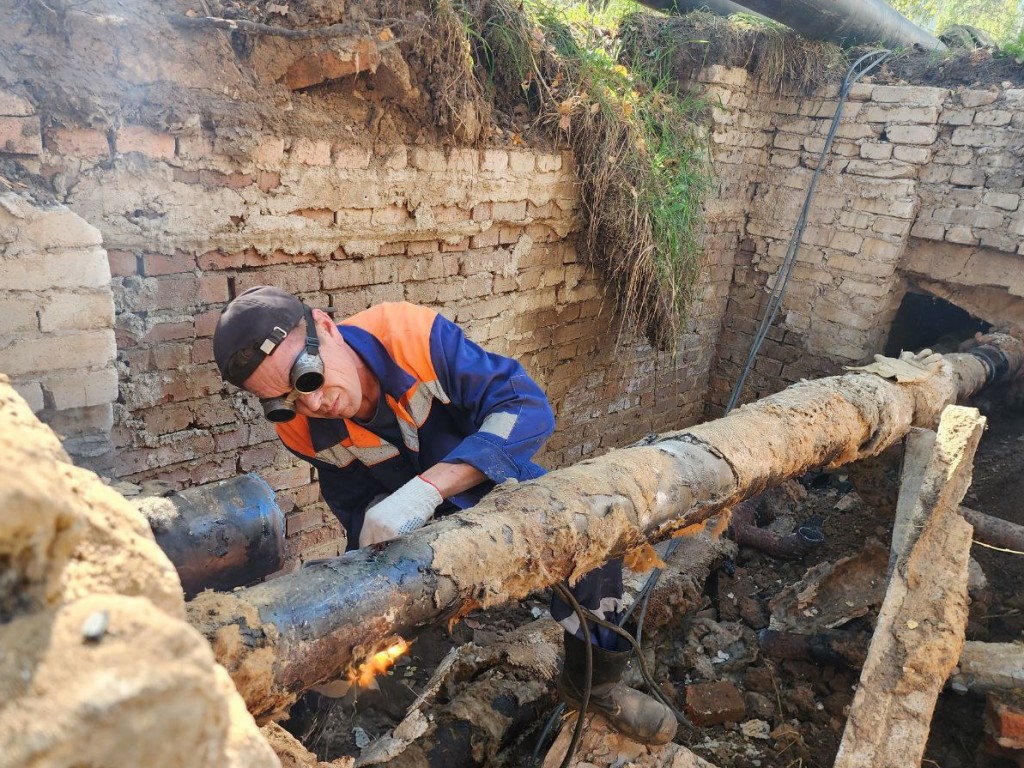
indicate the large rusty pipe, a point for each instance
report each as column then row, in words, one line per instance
column 279, row 638
column 221, row 535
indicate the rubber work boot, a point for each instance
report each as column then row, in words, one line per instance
column 635, row 715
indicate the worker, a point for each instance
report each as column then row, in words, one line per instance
column 406, row 419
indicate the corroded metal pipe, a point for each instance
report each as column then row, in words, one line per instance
column 279, row 638
column 837, row 648
column 221, row 535
column 745, row 530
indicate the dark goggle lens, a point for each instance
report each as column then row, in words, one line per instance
column 307, row 374
column 309, row 381
column 278, row 410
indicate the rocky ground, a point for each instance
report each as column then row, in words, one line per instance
column 776, row 713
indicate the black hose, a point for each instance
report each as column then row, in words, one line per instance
column 854, row 74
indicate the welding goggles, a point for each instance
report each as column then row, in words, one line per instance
column 306, row 376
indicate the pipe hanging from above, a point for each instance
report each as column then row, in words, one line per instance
column 844, row 22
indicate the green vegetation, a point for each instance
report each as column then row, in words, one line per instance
column 641, row 148
column 1002, row 19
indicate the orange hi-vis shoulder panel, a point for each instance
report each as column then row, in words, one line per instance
column 404, row 332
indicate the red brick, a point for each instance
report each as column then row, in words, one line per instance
column 166, row 419
column 164, row 264
column 170, row 357
column 330, row 65
column 485, row 239
column 304, row 520
column 209, row 472
column 267, row 180
column 714, row 703
column 310, row 152
column 214, row 260
column 213, row 289
column 122, row 263
column 137, row 138
column 258, row 457
column 206, row 321
column 231, row 439
column 174, row 292
column 78, row 142
column 20, row 135
column 202, row 351
column 172, row 331
column 230, row 180
column 1004, row 718
column 450, row 214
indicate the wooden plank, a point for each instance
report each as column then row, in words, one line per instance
column 920, row 630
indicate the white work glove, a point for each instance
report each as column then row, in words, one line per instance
column 403, row 511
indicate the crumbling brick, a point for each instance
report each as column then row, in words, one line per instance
column 20, row 136
column 137, row 138
column 319, row 67
column 714, row 703
column 1004, row 718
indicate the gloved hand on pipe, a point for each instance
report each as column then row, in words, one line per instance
column 403, row 511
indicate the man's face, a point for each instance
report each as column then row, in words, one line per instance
column 341, row 394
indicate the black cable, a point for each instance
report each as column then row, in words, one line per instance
column 853, row 74
column 577, row 731
column 644, row 670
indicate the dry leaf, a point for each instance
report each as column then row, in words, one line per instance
column 517, row 140
column 386, row 35
column 563, row 123
column 627, row 109
column 594, row 108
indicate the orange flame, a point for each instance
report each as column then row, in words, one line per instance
column 378, row 663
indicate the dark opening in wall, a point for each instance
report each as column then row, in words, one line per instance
column 924, row 320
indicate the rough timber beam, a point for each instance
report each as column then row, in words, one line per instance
column 279, row 638
column 920, row 629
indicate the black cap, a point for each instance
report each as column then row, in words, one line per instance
column 250, row 328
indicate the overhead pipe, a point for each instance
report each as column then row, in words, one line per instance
column 220, row 535
column 844, row 22
column 717, row 7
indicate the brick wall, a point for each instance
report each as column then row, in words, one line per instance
column 56, row 327
column 486, row 236
column 909, row 165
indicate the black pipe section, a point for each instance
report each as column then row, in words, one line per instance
column 717, row 7
column 996, row 363
column 221, row 535
column 848, row 22
column 844, row 22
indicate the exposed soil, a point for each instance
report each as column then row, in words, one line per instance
column 979, row 68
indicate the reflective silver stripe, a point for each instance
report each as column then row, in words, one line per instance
column 409, row 434
column 434, row 388
column 375, row 454
column 338, row 455
column 418, row 405
column 607, row 609
column 499, row 424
